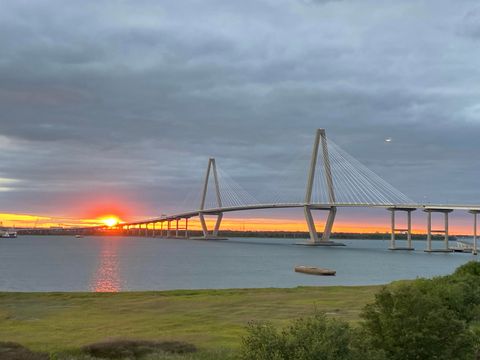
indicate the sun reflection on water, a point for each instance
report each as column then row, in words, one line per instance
column 107, row 276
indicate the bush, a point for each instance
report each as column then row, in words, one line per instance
column 410, row 321
column 472, row 268
column 262, row 342
column 316, row 337
column 118, row 349
column 14, row 351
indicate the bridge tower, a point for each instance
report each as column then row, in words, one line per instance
column 320, row 137
column 211, row 168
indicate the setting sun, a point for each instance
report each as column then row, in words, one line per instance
column 110, row 221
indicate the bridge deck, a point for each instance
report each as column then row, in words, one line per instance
column 216, row 211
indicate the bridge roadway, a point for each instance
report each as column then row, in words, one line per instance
column 216, row 211
column 443, row 209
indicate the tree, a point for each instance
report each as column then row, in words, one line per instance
column 311, row 338
column 407, row 321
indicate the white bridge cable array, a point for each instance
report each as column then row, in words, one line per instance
column 353, row 183
column 286, row 186
column 232, row 193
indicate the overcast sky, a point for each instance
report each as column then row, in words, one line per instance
column 123, row 101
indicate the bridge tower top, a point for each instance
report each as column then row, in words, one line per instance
column 212, row 167
column 320, row 136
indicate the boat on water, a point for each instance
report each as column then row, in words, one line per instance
column 312, row 270
column 78, row 236
column 463, row 246
column 8, row 234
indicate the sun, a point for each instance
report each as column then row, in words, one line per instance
column 110, row 221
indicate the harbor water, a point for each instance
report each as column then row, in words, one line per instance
column 64, row 263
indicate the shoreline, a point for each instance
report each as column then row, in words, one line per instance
column 227, row 233
column 190, row 291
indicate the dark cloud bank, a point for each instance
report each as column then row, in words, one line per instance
column 132, row 97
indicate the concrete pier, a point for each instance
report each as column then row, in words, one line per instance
column 444, row 231
column 475, row 247
column 395, row 230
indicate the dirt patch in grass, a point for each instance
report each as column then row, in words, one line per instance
column 118, row 349
column 14, row 351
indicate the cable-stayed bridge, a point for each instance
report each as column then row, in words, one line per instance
column 334, row 179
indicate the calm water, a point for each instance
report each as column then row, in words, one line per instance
column 31, row 263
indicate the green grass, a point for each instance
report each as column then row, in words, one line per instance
column 209, row 319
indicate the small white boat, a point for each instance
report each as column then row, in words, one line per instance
column 78, row 236
column 314, row 270
column 462, row 246
column 8, row 234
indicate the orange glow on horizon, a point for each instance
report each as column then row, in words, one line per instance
column 299, row 225
column 110, row 220
column 94, row 206
column 291, row 225
column 369, row 225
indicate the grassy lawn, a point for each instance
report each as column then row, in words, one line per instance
column 210, row 319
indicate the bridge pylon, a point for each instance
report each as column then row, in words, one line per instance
column 320, row 138
column 211, row 168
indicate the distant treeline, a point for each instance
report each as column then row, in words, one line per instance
column 224, row 233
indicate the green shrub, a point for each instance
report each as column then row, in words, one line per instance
column 472, row 268
column 361, row 349
column 118, row 349
column 14, row 351
column 411, row 321
column 316, row 337
column 210, row 355
column 262, row 342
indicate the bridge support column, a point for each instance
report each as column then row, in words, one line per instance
column 176, row 228
column 327, row 231
column 186, row 228
column 440, row 231
column 395, row 230
column 214, row 234
column 475, row 248
column 153, row 230
column 311, row 225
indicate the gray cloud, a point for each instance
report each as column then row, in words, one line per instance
column 133, row 97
